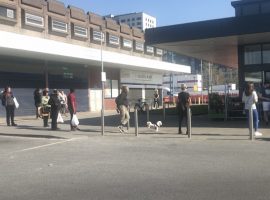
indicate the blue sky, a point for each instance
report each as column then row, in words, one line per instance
column 167, row 12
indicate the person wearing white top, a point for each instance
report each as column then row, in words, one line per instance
column 250, row 98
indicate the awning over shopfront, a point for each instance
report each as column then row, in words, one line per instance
column 214, row 40
column 12, row 44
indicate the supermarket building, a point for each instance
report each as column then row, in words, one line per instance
column 45, row 44
column 242, row 41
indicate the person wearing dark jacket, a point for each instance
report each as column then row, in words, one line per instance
column 38, row 101
column 55, row 108
column 122, row 103
column 8, row 102
column 72, row 107
column 184, row 102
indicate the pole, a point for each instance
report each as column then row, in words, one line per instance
column 136, row 122
column 251, row 129
column 128, row 123
column 164, row 110
column 202, row 80
column 102, row 83
column 147, row 112
column 189, row 122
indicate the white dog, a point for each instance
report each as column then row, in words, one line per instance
column 154, row 126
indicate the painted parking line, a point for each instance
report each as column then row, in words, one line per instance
column 46, row 145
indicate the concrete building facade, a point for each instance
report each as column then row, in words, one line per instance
column 139, row 20
column 45, row 44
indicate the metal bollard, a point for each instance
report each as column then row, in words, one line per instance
column 251, row 128
column 164, row 111
column 136, row 122
column 189, row 122
column 128, row 123
column 147, row 113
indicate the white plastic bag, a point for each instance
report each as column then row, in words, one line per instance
column 16, row 102
column 60, row 118
column 74, row 121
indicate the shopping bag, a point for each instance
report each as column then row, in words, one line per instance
column 74, row 121
column 60, row 118
column 16, row 102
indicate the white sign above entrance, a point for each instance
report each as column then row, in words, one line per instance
column 140, row 77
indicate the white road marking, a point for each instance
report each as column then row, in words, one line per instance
column 46, row 145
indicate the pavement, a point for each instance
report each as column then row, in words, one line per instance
column 219, row 161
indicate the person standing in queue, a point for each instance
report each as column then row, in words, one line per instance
column 122, row 103
column 184, row 101
column 8, row 102
column 37, row 99
column 55, row 108
column 46, row 108
column 72, row 107
column 250, row 98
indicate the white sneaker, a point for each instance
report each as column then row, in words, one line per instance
column 121, row 129
column 258, row 134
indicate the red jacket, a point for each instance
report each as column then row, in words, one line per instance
column 72, row 104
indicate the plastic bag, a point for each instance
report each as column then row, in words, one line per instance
column 60, row 118
column 74, row 121
column 16, row 102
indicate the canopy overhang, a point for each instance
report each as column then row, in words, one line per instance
column 216, row 41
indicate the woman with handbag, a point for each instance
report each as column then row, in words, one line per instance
column 8, row 102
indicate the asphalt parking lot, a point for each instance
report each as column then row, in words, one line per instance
column 218, row 162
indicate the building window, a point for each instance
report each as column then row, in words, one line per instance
column 138, row 23
column 123, row 20
column 80, row 31
column 255, row 77
column 159, row 52
column 7, row 12
column 34, row 20
column 139, row 46
column 133, row 19
column 266, row 53
column 139, row 18
column 59, row 26
column 113, row 40
column 253, row 55
column 98, row 36
column 149, row 49
column 128, row 20
column 111, row 88
column 127, row 43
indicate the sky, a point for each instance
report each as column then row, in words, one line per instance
column 167, row 12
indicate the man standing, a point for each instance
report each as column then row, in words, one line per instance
column 184, row 102
column 123, row 107
column 55, row 108
column 72, row 107
column 37, row 99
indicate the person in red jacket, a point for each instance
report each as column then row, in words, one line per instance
column 72, row 107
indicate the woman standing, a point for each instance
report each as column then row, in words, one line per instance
column 37, row 99
column 45, row 111
column 250, row 98
column 8, row 102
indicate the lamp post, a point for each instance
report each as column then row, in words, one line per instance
column 103, row 79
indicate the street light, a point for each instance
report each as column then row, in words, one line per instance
column 103, row 80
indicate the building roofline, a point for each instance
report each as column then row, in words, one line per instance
column 209, row 29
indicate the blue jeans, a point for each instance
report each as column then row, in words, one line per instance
column 255, row 118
